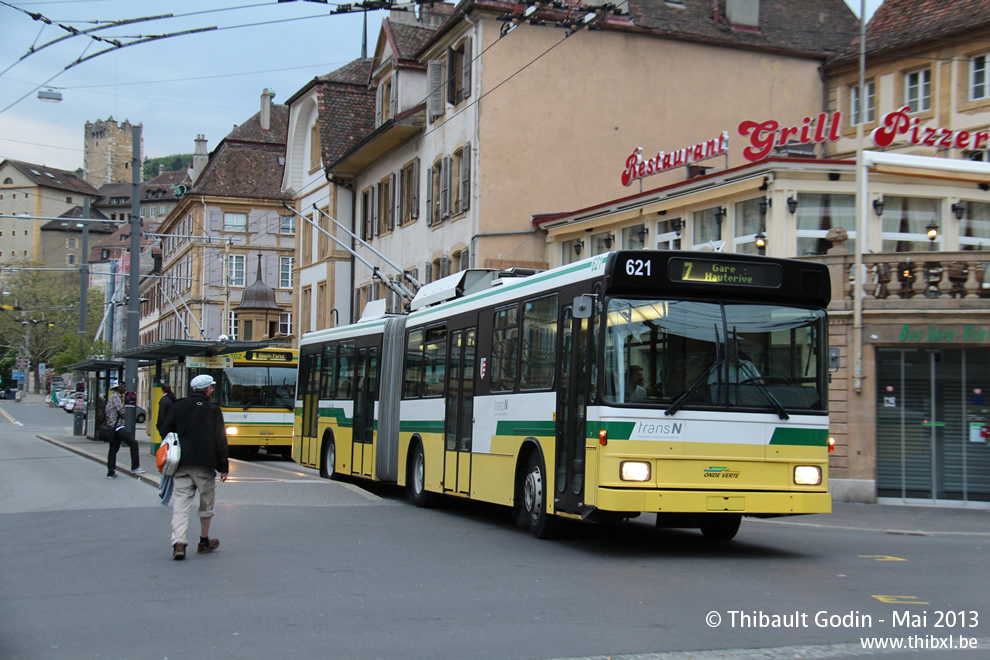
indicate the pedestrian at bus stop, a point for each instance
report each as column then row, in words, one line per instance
column 203, row 452
column 164, row 406
column 113, row 416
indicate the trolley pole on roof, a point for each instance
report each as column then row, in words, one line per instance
column 396, row 287
column 405, row 274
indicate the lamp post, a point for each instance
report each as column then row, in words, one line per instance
column 761, row 243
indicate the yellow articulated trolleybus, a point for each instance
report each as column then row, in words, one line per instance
column 690, row 385
column 256, row 391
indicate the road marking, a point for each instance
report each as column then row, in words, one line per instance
column 881, row 557
column 9, row 418
column 808, row 652
column 902, row 600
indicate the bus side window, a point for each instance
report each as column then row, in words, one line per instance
column 412, row 387
column 505, row 349
column 345, row 370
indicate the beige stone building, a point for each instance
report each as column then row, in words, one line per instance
column 108, row 151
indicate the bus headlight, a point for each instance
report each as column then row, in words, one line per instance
column 231, row 430
column 634, row 471
column 807, row 475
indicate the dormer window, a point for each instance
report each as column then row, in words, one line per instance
column 386, row 101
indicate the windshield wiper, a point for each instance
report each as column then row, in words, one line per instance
column 757, row 381
column 677, row 403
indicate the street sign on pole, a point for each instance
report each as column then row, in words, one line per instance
column 18, row 375
column 23, row 362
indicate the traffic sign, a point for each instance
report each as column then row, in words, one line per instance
column 23, row 362
column 18, row 375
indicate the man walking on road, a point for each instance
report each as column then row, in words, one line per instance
column 203, row 452
column 113, row 416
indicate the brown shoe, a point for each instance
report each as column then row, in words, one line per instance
column 179, row 551
column 209, row 546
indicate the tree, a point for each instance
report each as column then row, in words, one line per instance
column 40, row 315
column 172, row 163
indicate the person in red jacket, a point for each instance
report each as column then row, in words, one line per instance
column 203, row 443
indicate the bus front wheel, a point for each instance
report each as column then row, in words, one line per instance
column 542, row 525
column 720, row 526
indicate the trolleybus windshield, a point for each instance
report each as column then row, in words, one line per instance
column 677, row 353
column 257, row 387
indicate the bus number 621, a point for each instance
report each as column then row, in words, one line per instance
column 638, row 267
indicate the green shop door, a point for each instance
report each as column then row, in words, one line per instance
column 933, row 419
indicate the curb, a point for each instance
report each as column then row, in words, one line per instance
column 147, row 477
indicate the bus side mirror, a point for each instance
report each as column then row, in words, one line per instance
column 833, row 358
column 583, row 306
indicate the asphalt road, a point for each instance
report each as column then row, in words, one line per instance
column 312, row 568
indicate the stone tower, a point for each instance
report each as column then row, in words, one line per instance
column 108, row 150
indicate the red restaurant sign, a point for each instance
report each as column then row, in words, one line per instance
column 764, row 136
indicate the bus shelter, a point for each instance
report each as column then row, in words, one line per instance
column 169, row 363
column 97, row 378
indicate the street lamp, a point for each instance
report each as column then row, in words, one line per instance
column 761, row 243
column 932, row 234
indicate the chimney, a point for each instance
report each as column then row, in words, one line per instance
column 743, row 14
column 266, row 109
column 200, row 158
column 161, row 169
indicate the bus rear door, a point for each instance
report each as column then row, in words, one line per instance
column 308, row 453
column 365, row 397
column 459, row 411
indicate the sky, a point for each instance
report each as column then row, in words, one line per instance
column 178, row 87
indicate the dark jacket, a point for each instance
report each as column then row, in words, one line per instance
column 202, row 435
column 164, row 406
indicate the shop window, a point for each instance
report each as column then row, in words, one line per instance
column 974, row 228
column 905, row 222
column 748, row 222
column 708, row 226
column 816, row 214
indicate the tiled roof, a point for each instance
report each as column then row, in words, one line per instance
column 903, row 22
column 346, row 111
column 50, row 177
column 171, row 178
column 77, row 212
column 237, row 169
column 806, row 26
column 353, row 73
column 408, row 39
column 250, row 131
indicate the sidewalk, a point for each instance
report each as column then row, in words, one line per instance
column 884, row 518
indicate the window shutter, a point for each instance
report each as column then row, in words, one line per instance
column 429, row 196
column 445, row 187
column 399, row 198
column 466, row 177
column 392, row 211
column 444, row 266
column 465, row 259
column 451, row 77
column 415, row 190
column 375, row 198
column 216, row 221
column 378, row 106
column 393, row 101
column 429, row 272
column 356, row 312
column 434, row 102
column 466, row 73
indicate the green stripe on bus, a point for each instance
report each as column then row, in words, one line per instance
column 801, row 437
column 421, row 426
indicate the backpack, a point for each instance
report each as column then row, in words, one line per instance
column 168, row 454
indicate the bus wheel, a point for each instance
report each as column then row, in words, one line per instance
column 534, row 494
column 720, row 526
column 416, row 480
column 328, row 468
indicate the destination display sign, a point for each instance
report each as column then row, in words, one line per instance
column 712, row 271
column 269, row 356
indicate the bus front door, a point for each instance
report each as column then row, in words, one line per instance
column 571, row 418
column 459, row 412
column 308, row 452
column 365, row 396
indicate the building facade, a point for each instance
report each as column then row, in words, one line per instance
column 108, row 152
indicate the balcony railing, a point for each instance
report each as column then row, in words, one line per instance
column 910, row 278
